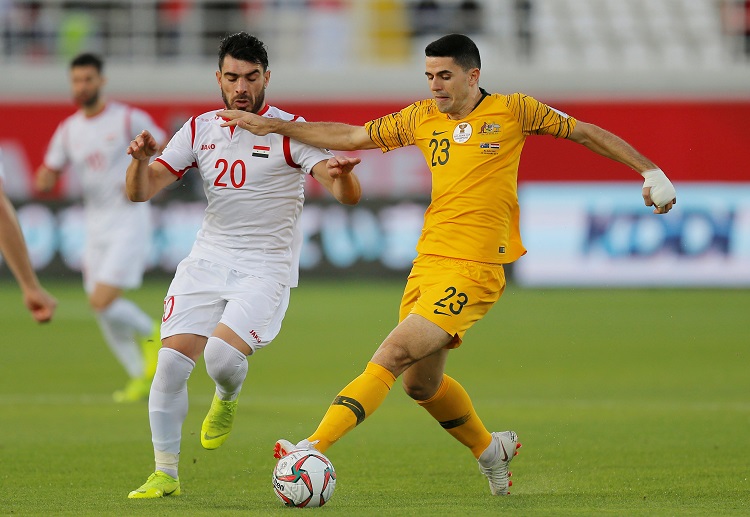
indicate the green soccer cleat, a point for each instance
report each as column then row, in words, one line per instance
column 218, row 423
column 157, row 485
column 150, row 347
column 135, row 390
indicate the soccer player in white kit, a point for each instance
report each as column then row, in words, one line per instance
column 13, row 249
column 230, row 294
column 118, row 232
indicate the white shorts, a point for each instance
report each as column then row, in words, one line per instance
column 204, row 294
column 119, row 260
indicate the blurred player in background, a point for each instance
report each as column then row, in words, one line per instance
column 40, row 303
column 229, row 296
column 472, row 142
column 118, row 232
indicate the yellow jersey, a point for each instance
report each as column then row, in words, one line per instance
column 473, row 212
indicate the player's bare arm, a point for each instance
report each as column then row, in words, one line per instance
column 337, row 176
column 657, row 190
column 38, row 301
column 330, row 135
column 46, row 178
column 144, row 180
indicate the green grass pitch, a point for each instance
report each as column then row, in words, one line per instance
column 628, row 402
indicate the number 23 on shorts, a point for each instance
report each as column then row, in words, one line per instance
column 452, row 303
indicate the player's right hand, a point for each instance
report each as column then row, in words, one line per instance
column 143, row 146
column 40, row 304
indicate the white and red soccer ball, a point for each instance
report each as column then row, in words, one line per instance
column 304, row 478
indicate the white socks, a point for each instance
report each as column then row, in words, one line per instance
column 168, row 406
column 126, row 313
column 119, row 323
column 227, row 366
column 168, row 401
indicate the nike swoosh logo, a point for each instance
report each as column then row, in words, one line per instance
column 504, row 452
column 207, row 437
column 436, row 133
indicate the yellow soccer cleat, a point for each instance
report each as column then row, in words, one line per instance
column 135, row 390
column 218, row 423
column 150, row 347
column 157, row 485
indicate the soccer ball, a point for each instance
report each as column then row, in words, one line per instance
column 304, row 478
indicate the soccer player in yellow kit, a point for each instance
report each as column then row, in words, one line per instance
column 472, row 142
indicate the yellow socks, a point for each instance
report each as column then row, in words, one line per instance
column 358, row 400
column 452, row 407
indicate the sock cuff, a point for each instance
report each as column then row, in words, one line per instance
column 223, row 347
column 445, row 384
column 177, row 355
column 381, row 373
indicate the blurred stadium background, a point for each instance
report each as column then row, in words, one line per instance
column 670, row 76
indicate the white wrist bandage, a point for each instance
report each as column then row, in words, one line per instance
column 662, row 190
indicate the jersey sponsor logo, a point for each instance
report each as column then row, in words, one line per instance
column 207, row 147
column 489, row 128
column 261, row 151
column 255, row 336
column 436, row 133
column 462, row 132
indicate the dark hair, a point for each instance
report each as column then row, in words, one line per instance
column 88, row 59
column 244, row 47
column 461, row 48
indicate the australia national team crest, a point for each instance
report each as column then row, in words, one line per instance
column 489, row 128
column 462, row 132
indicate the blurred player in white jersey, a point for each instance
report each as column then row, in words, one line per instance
column 118, row 232
column 230, row 294
column 38, row 301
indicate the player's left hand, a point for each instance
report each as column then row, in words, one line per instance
column 658, row 191
column 143, row 146
column 341, row 165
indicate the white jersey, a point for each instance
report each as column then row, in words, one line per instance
column 255, row 189
column 95, row 149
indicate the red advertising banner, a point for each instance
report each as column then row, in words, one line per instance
column 691, row 141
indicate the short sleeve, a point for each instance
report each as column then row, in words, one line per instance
column 56, row 158
column 179, row 156
column 394, row 130
column 536, row 118
column 302, row 155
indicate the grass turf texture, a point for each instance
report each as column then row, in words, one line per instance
column 628, row 402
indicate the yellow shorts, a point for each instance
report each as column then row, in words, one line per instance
column 452, row 293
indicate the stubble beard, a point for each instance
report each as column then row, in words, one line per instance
column 88, row 102
column 253, row 108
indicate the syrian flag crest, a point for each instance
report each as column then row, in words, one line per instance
column 261, row 151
